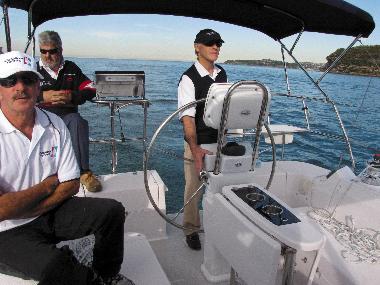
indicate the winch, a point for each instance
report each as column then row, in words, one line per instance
column 371, row 174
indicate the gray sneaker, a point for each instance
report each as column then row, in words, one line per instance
column 118, row 279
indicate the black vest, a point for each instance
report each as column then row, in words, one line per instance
column 205, row 135
column 70, row 77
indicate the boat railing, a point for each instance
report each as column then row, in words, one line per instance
column 308, row 127
column 317, row 84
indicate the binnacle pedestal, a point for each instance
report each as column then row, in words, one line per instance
column 255, row 233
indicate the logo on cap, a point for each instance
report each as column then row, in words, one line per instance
column 25, row 60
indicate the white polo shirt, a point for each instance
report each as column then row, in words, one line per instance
column 186, row 89
column 24, row 162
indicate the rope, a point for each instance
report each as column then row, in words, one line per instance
column 360, row 244
column 1, row 22
column 368, row 86
column 371, row 57
column 316, row 99
column 161, row 148
column 361, row 104
column 121, row 127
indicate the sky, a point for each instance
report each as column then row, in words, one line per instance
column 171, row 37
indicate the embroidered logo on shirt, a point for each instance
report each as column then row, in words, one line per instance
column 54, row 151
column 45, row 83
column 51, row 153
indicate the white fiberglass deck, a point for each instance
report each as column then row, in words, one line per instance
column 294, row 183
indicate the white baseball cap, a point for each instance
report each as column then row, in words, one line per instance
column 15, row 61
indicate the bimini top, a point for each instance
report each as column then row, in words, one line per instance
column 275, row 18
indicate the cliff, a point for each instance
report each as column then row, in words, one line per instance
column 360, row 60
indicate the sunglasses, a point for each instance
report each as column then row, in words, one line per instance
column 218, row 44
column 27, row 79
column 50, row 51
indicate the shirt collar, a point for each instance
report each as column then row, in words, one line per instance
column 203, row 71
column 49, row 70
column 42, row 117
column 6, row 127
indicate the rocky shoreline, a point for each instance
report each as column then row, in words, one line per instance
column 361, row 60
column 275, row 63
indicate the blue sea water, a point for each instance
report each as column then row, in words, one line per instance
column 357, row 98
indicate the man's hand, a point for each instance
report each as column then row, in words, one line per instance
column 198, row 156
column 59, row 97
column 198, row 153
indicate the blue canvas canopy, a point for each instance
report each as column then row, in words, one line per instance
column 275, row 18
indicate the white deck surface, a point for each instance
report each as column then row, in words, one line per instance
column 182, row 266
column 140, row 263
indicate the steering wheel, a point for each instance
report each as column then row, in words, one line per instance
column 203, row 174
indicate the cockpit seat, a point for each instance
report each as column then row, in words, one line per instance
column 140, row 264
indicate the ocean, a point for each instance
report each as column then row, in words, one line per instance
column 357, row 98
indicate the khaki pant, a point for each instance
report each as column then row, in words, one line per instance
column 192, row 183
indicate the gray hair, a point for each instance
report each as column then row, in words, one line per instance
column 50, row 37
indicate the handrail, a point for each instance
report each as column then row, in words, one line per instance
column 7, row 26
column 223, row 122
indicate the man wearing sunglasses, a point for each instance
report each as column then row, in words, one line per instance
column 194, row 85
column 64, row 87
column 39, row 177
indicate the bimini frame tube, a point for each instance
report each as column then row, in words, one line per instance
column 339, row 58
column 30, row 31
column 285, row 71
column 31, row 39
column 298, row 38
column 327, row 98
column 4, row 4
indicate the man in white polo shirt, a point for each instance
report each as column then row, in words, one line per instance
column 194, row 85
column 39, row 177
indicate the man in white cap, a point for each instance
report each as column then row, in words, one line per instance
column 194, row 85
column 39, row 177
